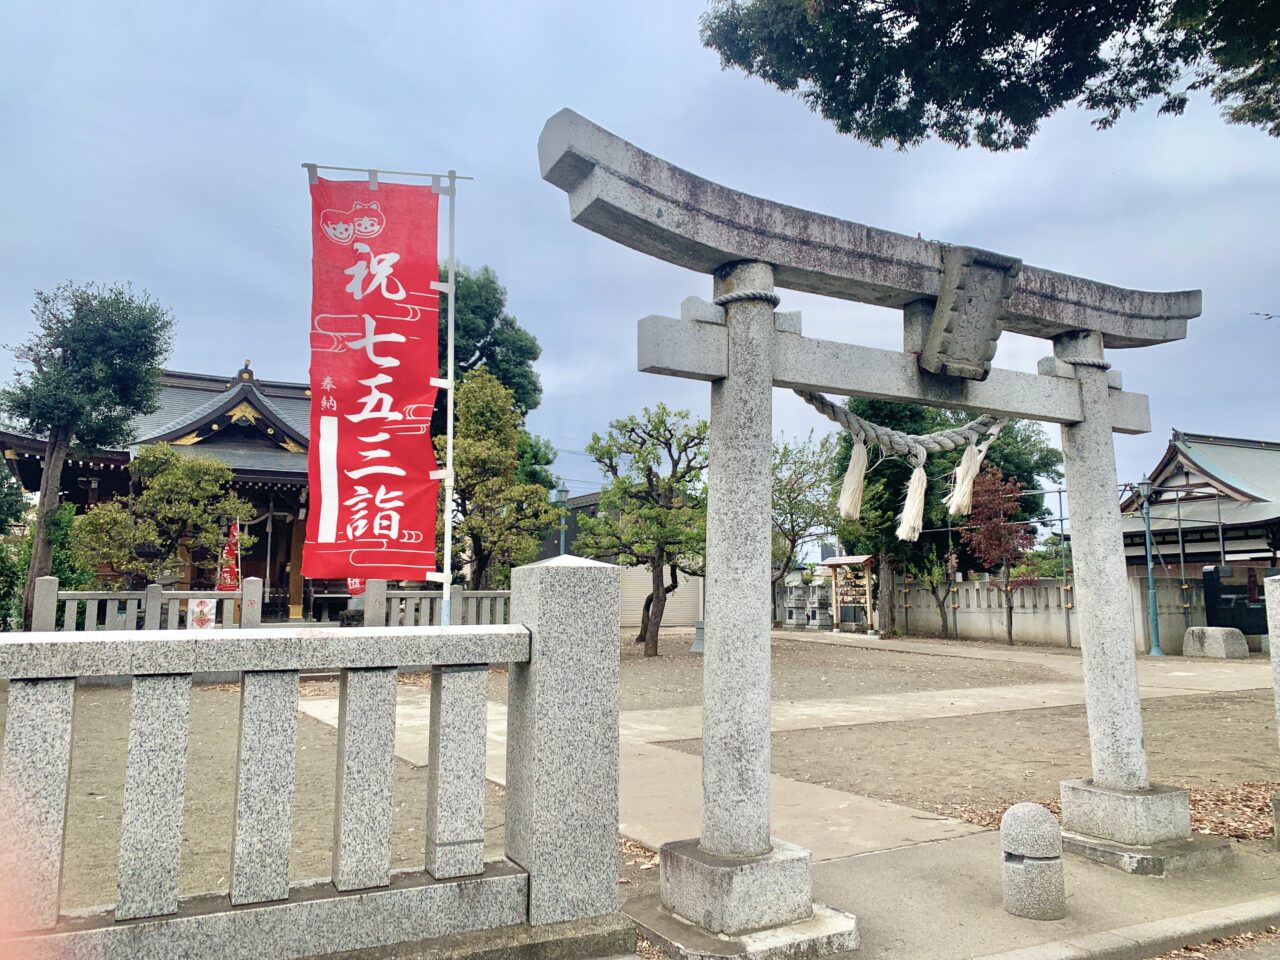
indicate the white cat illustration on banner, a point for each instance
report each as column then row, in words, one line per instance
column 362, row 221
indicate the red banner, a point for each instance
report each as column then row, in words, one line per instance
column 229, row 567
column 374, row 332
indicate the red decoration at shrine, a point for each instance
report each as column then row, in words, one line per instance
column 374, row 332
column 229, row 566
column 355, row 586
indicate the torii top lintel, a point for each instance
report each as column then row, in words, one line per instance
column 637, row 199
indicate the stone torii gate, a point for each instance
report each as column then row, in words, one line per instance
column 736, row 878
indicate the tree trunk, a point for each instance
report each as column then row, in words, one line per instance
column 1008, row 611
column 655, row 605
column 479, row 565
column 941, row 601
column 885, row 598
column 55, row 451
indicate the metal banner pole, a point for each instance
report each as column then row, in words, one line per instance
column 447, row 383
column 446, row 568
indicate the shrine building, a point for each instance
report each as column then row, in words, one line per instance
column 258, row 428
column 1215, row 500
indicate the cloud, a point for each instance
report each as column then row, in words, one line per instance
column 161, row 144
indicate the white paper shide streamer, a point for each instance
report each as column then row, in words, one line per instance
column 854, row 477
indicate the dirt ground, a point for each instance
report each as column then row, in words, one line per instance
column 801, row 671
column 100, row 734
column 993, row 759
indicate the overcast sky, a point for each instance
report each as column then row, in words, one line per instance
column 160, row 143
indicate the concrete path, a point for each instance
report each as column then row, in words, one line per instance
column 660, row 788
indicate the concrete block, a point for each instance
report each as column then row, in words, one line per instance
column 1222, row 643
column 1032, row 873
column 1131, row 817
column 455, row 772
column 1034, row 888
column 1192, row 854
column 1030, row 830
column 264, row 786
column 731, row 896
column 562, row 738
column 154, row 780
column 827, row 931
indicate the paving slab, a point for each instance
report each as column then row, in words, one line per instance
column 942, row 901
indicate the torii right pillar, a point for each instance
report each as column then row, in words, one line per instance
column 1117, row 817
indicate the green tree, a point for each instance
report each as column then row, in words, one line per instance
column 990, row 71
column 536, row 455
column 13, row 549
column 1022, row 451
column 175, row 523
column 91, row 367
column 485, row 335
column 498, row 515
column 15, row 558
column 653, row 509
column 938, row 574
column 804, row 500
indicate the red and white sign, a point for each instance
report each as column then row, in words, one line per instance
column 229, row 566
column 374, row 332
column 355, row 586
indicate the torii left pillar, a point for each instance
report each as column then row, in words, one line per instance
column 736, row 878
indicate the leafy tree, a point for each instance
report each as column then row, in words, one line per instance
column 485, row 335
column 938, row 574
column 92, row 366
column 1022, row 450
column 804, row 500
column 15, row 558
column 536, row 455
column 498, row 515
column 653, row 509
column 989, row 72
column 996, row 539
column 13, row 548
column 1050, row 560
column 174, row 523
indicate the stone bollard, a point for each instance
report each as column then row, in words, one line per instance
column 1034, row 886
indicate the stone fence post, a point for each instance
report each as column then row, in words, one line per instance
column 562, row 738
column 375, row 603
column 44, row 606
column 251, row 603
column 152, row 606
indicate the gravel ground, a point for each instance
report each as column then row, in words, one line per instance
column 802, row 670
column 999, row 758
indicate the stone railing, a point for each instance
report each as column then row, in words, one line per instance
column 409, row 608
column 161, row 609
column 560, row 858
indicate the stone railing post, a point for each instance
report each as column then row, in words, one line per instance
column 562, row 738
column 375, row 603
column 251, row 603
column 152, row 606
column 44, row 607
column 457, row 610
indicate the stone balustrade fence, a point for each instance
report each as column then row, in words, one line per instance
column 561, row 747
column 384, row 607
column 160, row 609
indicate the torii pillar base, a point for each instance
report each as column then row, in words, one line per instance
column 745, row 907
